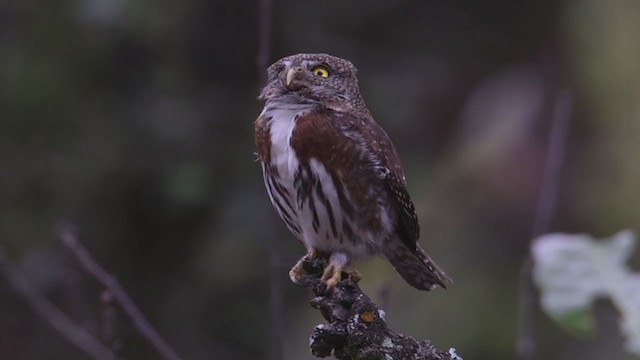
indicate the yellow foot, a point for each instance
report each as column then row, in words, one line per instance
column 297, row 271
column 353, row 274
column 332, row 274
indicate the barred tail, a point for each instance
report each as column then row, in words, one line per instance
column 417, row 268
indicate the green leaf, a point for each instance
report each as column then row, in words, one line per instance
column 573, row 270
column 579, row 322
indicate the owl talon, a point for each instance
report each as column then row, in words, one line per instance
column 297, row 271
column 353, row 274
column 333, row 275
column 295, row 274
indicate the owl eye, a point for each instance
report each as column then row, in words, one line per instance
column 320, row 70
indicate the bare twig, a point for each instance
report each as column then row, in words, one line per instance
column 52, row 314
column 108, row 321
column 548, row 195
column 357, row 329
column 276, row 307
column 265, row 28
column 545, row 211
column 384, row 295
column 92, row 267
column 527, row 300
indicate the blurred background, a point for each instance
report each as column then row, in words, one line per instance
column 133, row 121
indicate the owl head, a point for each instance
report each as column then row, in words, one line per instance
column 314, row 79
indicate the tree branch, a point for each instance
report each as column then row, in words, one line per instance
column 76, row 335
column 130, row 308
column 545, row 211
column 357, row 329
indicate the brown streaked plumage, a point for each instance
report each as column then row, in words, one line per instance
column 333, row 174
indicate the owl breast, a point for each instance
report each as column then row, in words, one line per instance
column 311, row 200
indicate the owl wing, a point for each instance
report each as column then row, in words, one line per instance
column 388, row 168
column 408, row 258
column 346, row 141
column 358, row 149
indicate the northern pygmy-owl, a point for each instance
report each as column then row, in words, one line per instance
column 332, row 173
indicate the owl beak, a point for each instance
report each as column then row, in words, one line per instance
column 292, row 73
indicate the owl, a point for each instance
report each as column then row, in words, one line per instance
column 333, row 175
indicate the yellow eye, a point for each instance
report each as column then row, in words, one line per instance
column 320, row 71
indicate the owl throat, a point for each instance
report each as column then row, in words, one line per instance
column 313, row 203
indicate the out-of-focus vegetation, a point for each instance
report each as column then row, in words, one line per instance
column 573, row 271
column 134, row 119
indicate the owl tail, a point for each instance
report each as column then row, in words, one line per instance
column 417, row 268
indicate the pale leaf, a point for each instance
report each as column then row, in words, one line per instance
column 573, row 270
